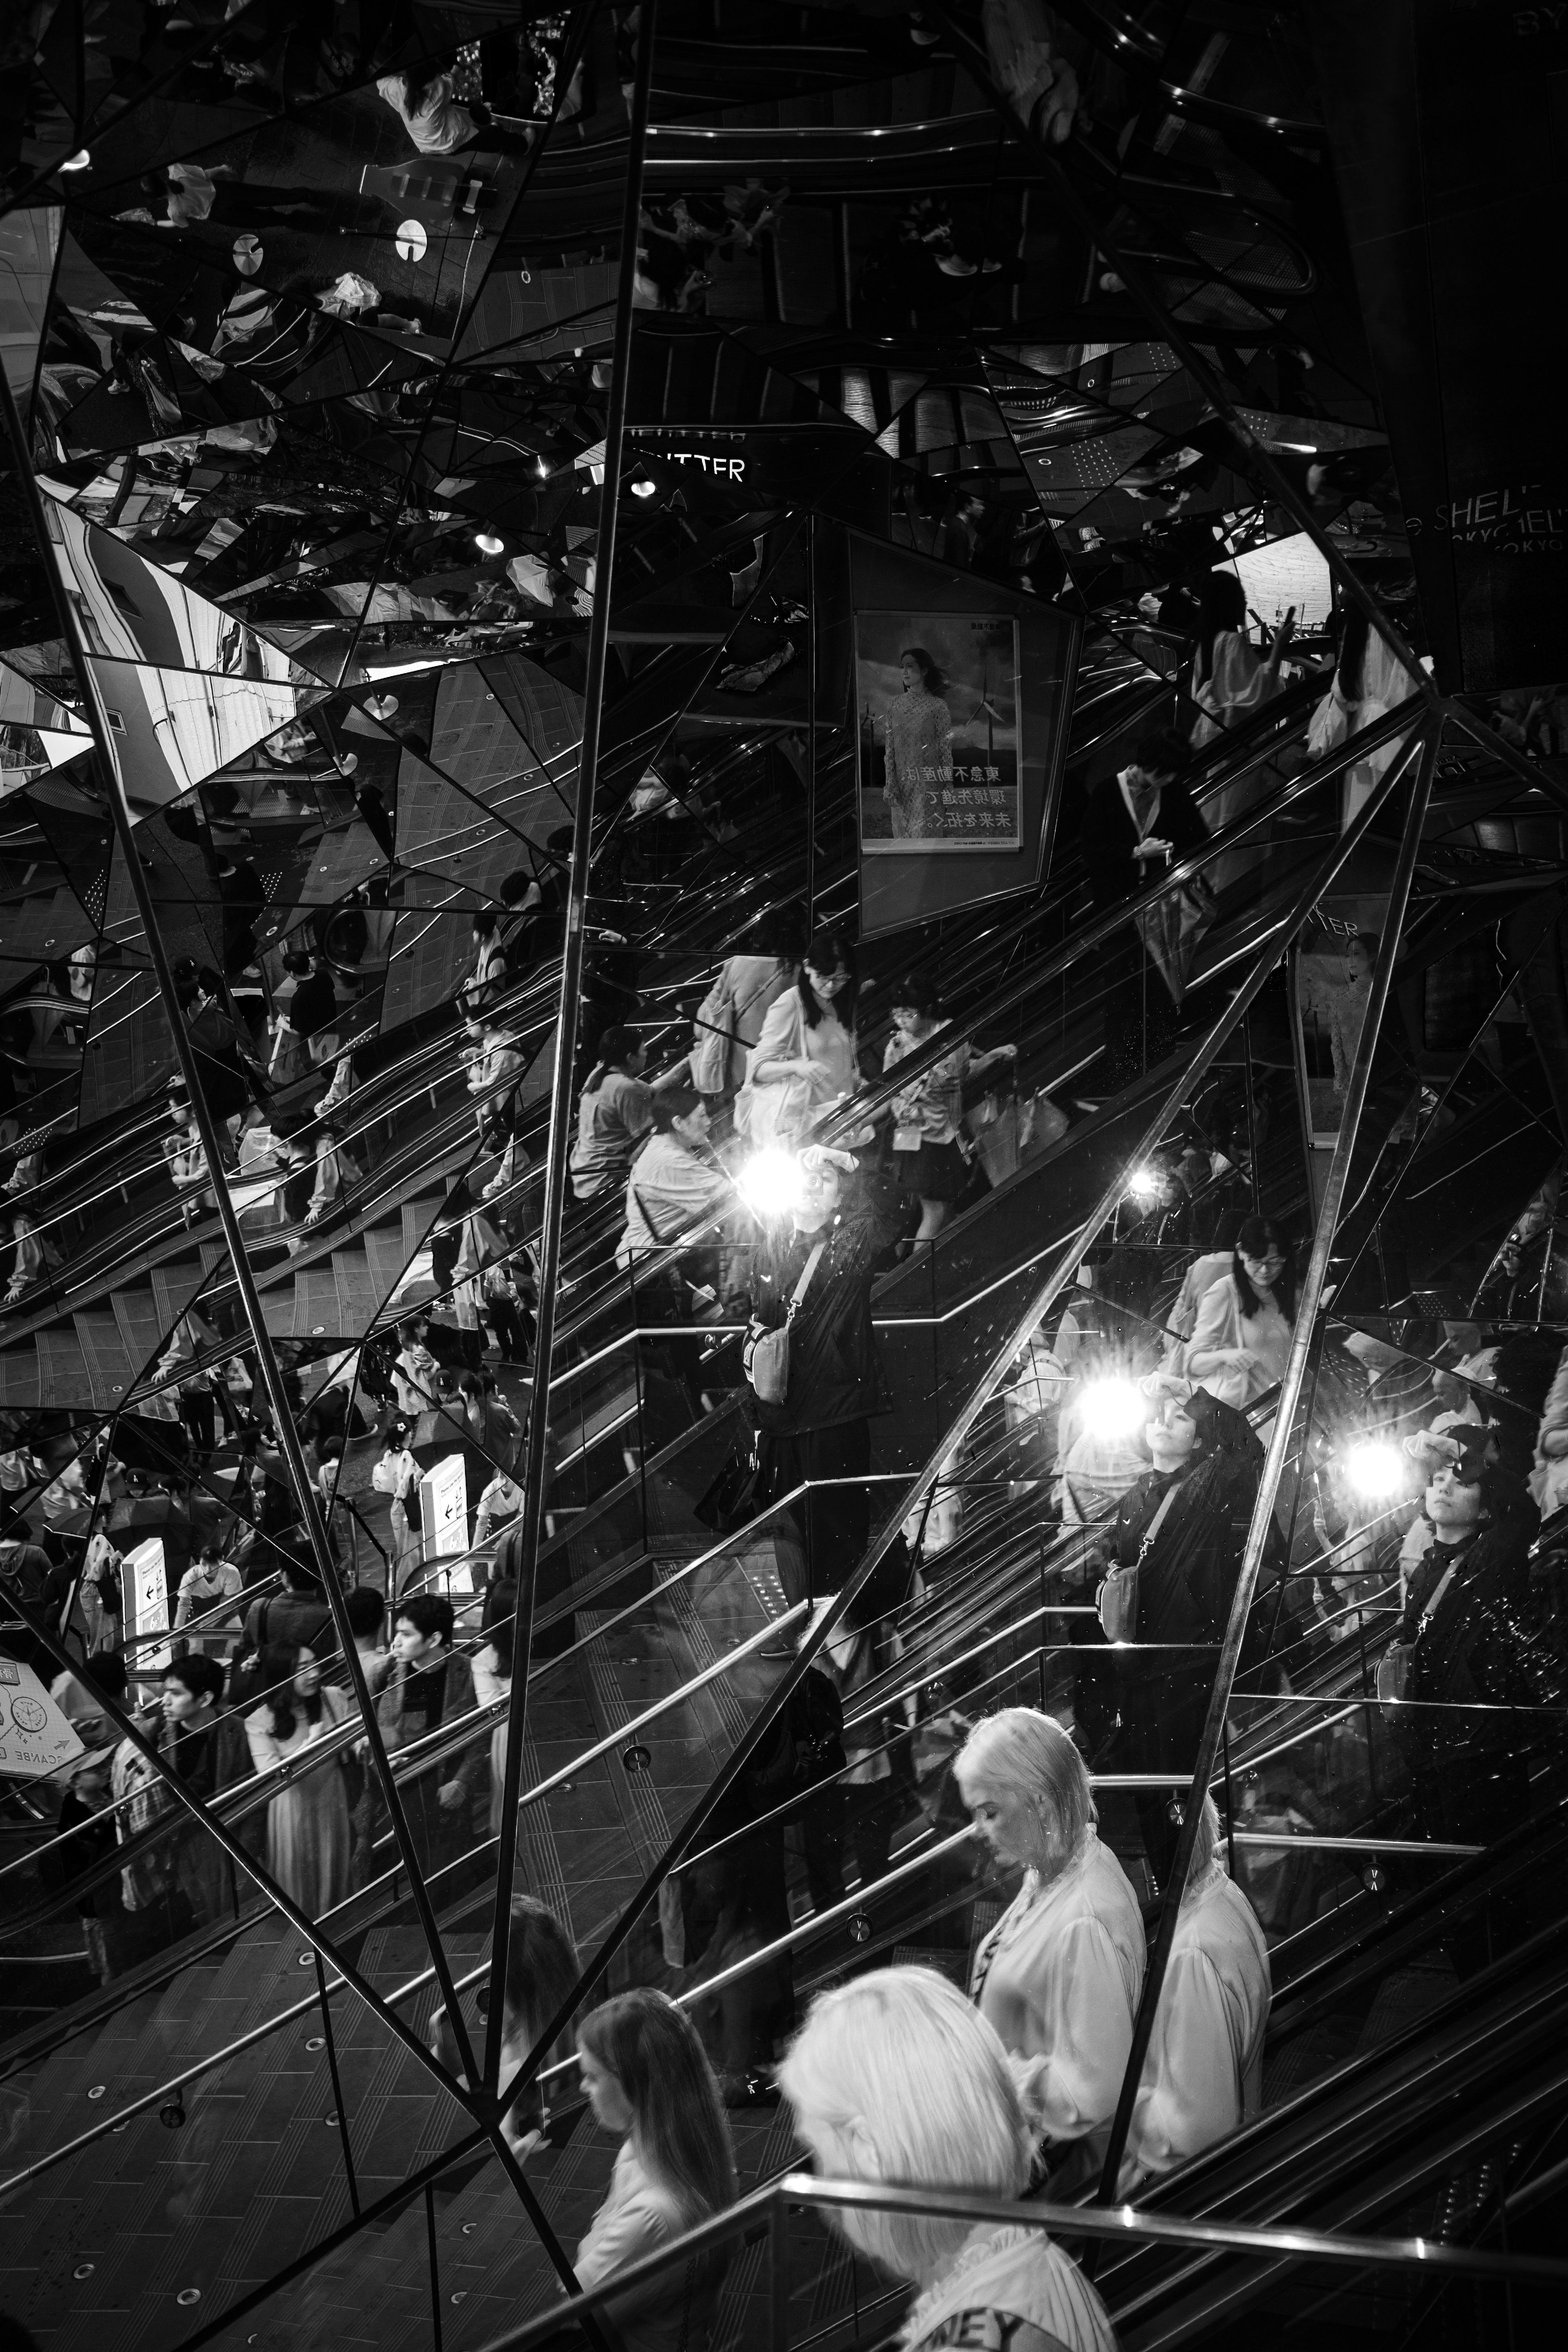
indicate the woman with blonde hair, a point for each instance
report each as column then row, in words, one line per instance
column 1061, row 1973
column 895, row 2079
column 647, row 2077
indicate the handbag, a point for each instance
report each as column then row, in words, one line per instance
column 764, row 1354
column 1117, row 1599
column 732, row 1499
column 1396, row 1666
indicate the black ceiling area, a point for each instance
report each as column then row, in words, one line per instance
column 513, row 517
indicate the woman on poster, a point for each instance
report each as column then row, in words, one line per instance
column 917, row 746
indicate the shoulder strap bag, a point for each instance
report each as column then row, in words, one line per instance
column 1394, row 1668
column 766, row 1354
column 1117, row 1599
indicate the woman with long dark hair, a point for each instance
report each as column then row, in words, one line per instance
column 310, row 1841
column 1369, row 681
column 803, row 1061
column 541, row 1973
column 1229, row 681
column 647, row 2077
column 1242, row 1336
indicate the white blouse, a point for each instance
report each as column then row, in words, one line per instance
column 636, row 2219
column 1204, row 2074
column 1058, row 1976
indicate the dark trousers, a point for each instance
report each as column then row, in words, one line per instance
column 1162, row 1723
column 835, row 1522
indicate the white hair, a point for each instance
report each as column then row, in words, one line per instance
column 913, row 2086
column 1020, row 1750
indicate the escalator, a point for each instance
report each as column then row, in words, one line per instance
column 664, row 1695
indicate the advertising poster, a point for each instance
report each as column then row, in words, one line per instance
column 145, row 1579
column 937, row 710
column 35, row 1737
column 444, row 1510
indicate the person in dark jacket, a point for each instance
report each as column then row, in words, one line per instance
column 1136, row 823
column 1486, row 1689
column 822, row 1429
column 1185, row 1525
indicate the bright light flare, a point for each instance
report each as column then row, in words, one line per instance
column 1114, row 1408
column 1144, row 1186
column 1376, row 1469
column 770, row 1183
column 490, row 543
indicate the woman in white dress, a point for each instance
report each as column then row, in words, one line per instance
column 1061, row 1973
column 804, row 1061
column 647, row 2077
column 895, row 2079
column 309, row 1838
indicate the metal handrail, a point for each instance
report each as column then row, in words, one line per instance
column 1425, row 2256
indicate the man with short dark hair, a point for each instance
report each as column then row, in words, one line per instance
column 429, row 1684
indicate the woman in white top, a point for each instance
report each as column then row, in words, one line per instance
column 1369, row 681
column 730, row 1018
column 1202, row 2075
column 929, row 1152
column 647, row 2077
column 1242, row 1336
column 895, row 2079
column 804, row 1061
column 1059, row 1975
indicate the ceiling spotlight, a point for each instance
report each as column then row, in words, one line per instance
column 643, row 487
column 543, row 469
column 770, row 1183
column 1144, row 1186
column 381, row 705
column 490, row 543
column 411, row 240
column 81, row 162
column 1376, row 1469
column 247, row 255
column 1114, row 1408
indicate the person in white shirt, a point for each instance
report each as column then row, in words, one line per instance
column 1202, row 2075
column 673, row 1181
column 1061, row 1973
column 647, row 2077
column 1242, row 1334
column 212, row 1579
column 429, row 113
column 895, row 2078
column 615, row 1112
